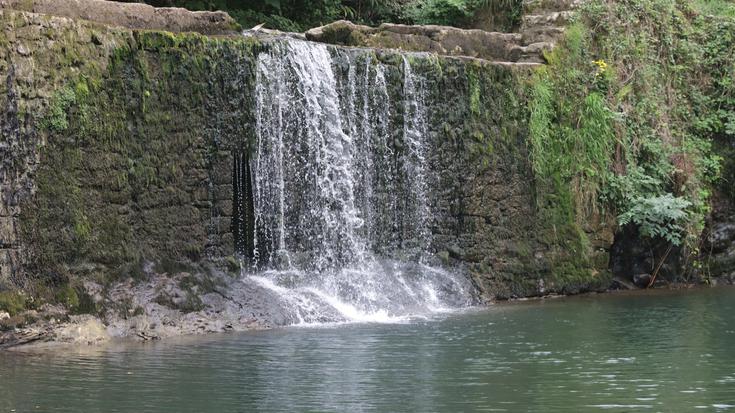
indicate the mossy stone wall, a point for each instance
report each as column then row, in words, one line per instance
column 118, row 150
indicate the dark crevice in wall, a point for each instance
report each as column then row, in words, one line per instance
column 634, row 258
column 243, row 216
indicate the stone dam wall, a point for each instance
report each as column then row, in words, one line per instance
column 119, row 145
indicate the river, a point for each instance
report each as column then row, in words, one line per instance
column 665, row 351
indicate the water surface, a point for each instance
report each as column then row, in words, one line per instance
column 661, row 352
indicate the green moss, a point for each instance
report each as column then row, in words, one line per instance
column 67, row 295
column 12, row 302
column 56, row 118
column 474, row 91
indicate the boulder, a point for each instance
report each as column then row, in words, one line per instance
column 642, row 280
column 722, row 236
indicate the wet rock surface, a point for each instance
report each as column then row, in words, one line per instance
column 51, row 325
column 718, row 252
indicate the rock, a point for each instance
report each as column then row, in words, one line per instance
column 19, row 337
column 82, row 329
column 22, row 50
column 722, row 236
column 642, row 280
column 131, row 15
column 456, row 252
column 723, row 262
column 444, row 40
column 621, row 284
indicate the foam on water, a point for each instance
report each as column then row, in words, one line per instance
column 381, row 292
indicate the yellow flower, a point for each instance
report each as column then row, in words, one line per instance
column 601, row 66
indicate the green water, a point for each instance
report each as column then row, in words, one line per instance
column 662, row 352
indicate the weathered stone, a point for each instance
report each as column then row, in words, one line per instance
column 140, row 165
column 82, row 329
column 722, row 236
column 131, row 15
column 7, row 232
column 443, row 40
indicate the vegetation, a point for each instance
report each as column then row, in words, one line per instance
column 300, row 15
column 460, row 12
column 625, row 116
column 725, row 8
column 12, row 302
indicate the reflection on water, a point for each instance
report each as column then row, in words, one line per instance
column 668, row 352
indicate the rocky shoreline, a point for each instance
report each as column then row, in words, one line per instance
column 164, row 307
column 158, row 307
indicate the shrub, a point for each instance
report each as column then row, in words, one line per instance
column 12, row 302
column 661, row 216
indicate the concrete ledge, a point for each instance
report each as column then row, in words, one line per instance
column 131, row 15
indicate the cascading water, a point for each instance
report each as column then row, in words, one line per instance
column 334, row 196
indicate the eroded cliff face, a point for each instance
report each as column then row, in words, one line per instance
column 120, row 150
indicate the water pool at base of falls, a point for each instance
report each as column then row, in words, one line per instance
column 658, row 351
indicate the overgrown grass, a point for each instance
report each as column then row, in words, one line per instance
column 725, row 8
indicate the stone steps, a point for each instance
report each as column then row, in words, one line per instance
column 545, row 6
column 544, row 23
column 554, row 18
column 542, row 34
column 534, row 52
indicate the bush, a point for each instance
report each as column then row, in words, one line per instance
column 12, row 302
column 658, row 217
column 442, row 12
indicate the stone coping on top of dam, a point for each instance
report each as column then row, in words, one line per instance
column 502, row 48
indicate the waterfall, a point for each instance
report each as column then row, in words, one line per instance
column 415, row 134
column 338, row 205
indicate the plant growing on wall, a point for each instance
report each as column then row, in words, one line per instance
column 658, row 217
column 631, row 114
